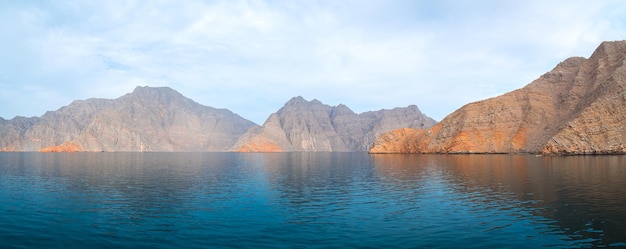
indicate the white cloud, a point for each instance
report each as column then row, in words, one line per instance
column 252, row 56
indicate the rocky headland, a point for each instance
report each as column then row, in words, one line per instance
column 579, row 107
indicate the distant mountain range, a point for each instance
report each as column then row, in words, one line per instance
column 148, row 119
column 161, row 119
column 303, row 125
column 577, row 108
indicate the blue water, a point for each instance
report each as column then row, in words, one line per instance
column 310, row 200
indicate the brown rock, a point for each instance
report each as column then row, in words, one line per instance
column 402, row 140
column 260, row 144
column 65, row 147
column 577, row 108
column 8, row 149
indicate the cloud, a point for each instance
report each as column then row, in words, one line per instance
column 252, row 56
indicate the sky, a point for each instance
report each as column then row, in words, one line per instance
column 253, row 56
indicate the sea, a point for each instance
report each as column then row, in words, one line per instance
column 310, row 200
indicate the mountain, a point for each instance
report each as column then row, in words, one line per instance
column 302, row 125
column 12, row 132
column 148, row 119
column 577, row 108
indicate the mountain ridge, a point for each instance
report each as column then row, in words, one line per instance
column 302, row 125
column 162, row 119
column 576, row 108
column 147, row 119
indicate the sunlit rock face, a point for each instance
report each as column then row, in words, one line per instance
column 148, row 119
column 577, row 108
column 302, row 125
column 65, row 147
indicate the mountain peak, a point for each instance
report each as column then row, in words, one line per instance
column 342, row 109
column 299, row 102
column 149, row 90
column 414, row 108
column 612, row 46
column 296, row 100
column 159, row 95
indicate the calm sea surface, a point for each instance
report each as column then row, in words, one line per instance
column 310, row 200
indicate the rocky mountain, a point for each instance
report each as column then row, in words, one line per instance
column 302, row 125
column 148, row 119
column 577, row 108
column 12, row 132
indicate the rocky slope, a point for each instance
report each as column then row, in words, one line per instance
column 313, row 126
column 148, row 119
column 577, row 108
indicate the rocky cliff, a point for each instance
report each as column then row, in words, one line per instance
column 148, row 119
column 303, row 125
column 577, row 108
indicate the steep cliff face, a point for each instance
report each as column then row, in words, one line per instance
column 12, row 132
column 313, row 126
column 64, row 125
column 578, row 107
column 403, row 140
column 148, row 119
column 161, row 119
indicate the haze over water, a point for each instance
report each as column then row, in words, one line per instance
column 310, row 200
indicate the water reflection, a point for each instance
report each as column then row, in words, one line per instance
column 90, row 195
column 199, row 200
column 315, row 188
column 584, row 196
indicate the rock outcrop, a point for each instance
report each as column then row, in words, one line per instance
column 303, row 125
column 148, row 119
column 65, row 147
column 577, row 108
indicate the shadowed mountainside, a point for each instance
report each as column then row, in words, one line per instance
column 302, row 125
column 148, row 119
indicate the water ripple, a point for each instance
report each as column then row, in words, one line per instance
column 310, row 200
